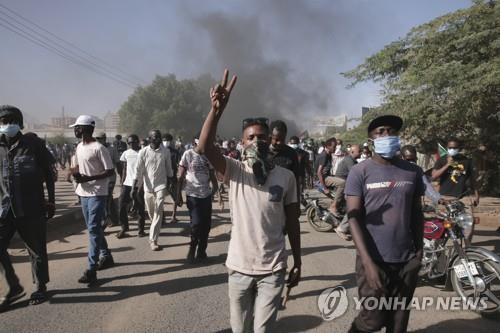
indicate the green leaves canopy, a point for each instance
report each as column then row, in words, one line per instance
column 443, row 79
column 172, row 106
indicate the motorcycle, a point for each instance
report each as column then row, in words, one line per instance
column 319, row 217
column 472, row 272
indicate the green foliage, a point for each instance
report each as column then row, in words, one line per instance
column 443, row 78
column 172, row 106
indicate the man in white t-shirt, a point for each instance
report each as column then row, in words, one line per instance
column 94, row 167
column 129, row 160
column 264, row 208
column 196, row 173
column 154, row 169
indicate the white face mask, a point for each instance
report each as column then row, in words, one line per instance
column 453, row 151
column 293, row 145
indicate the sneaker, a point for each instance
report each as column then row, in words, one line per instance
column 88, row 277
column 190, row 257
column 13, row 295
column 105, row 262
column 141, row 233
column 155, row 246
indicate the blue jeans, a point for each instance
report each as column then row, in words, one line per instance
column 93, row 212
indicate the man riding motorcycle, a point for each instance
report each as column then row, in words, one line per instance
column 324, row 165
column 341, row 175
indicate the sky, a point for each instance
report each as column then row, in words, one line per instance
column 288, row 54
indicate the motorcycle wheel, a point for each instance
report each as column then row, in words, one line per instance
column 489, row 273
column 317, row 223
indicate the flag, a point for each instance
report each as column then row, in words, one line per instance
column 442, row 151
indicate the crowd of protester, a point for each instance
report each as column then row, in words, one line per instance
column 265, row 175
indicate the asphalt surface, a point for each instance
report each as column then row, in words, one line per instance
column 158, row 292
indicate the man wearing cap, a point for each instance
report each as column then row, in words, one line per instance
column 26, row 164
column 154, row 168
column 386, row 223
column 94, row 167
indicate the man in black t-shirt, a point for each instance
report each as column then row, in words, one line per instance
column 455, row 173
column 283, row 155
column 383, row 197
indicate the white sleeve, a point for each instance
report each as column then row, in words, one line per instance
column 139, row 169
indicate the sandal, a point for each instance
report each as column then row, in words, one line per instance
column 38, row 297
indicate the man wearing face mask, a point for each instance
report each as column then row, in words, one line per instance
column 264, row 208
column 455, row 173
column 386, row 223
column 92, row 172
column 26, row 165
column 154, row 168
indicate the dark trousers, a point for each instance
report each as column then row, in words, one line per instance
column 33, row 232
column 399, row 281
column 137, row 198
column 200, row 212
column 111, row 212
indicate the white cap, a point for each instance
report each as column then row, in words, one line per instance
column 84, row 121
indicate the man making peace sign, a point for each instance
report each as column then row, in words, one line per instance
column 264, row 207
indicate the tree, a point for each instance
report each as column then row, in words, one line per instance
column 443, row 79
column 59, row 139
column 172, row 106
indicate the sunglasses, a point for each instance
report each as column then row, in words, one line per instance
column 255, row 121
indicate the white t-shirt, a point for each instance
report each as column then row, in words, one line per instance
column 197, row 174
column 93, row 159
column 129, row 156
column 257, row 244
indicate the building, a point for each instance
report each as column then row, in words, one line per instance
column 111, row 121
column 62, row 122
column 323, row 125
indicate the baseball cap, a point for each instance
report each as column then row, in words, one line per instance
column 390, row 120
column 84, row 120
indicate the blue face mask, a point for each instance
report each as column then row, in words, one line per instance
column 387, row 146
column 10, row 130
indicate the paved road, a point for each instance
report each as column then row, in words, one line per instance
column 158, row 292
